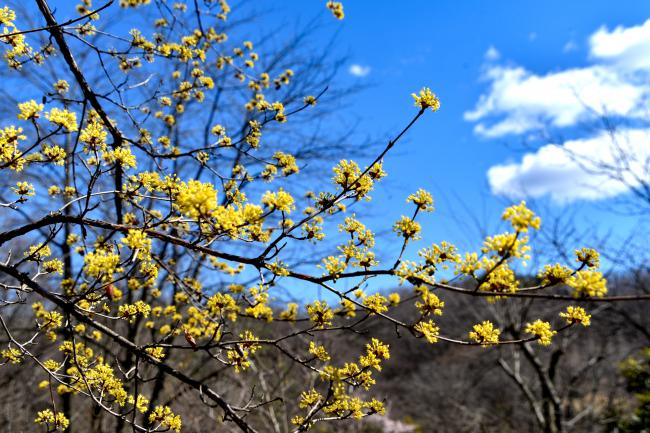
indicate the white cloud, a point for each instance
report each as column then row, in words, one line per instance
column 617, row 83
column 492, row 54
column 359, row 70
column 574, row 170
column 627, row 48
column 519, row 101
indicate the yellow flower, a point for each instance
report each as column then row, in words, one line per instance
column 554, row 274
column 10, row 154
column 165, row 416
column 291, row 313
column 377, row 349
column 426, row 99
column 196, row 199
column 12, row 355
column 576, row 315
column 64, row 118
column 500, row 280
column 542, row 330
column 521, row 217
column 94, row 136
column 407, row 228
column 334, row 265
column 430, row 304
column 280, row 200
column 56, row 421
column 485, row 333
column 29, row 110
column 319, row 351
column 588, row 257
column 588, row 283
column 121, row 155
column 394, row 299
column 422, row 199
column 320, row 313
column 54, row 154
column 61, row 86
column 336, row 8
column 376, row 303
column 24, row 189
column 309, row 398
column 429, row 330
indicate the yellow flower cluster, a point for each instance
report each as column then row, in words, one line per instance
column 291, row 313
column 19, row 51
column 320, row 314
column 348, row 176
column 588, row 256
column 375, row 352
column 429, row 303
column 319, row 352
column 48, row 321
column 11, row 355
column 64, row 118
column 94, row 137
column 54, row 421
column 485, row 333
column 500, row 280
column 334, row 266
column 9, row 153
column 542, row 330
column 336, row 8
column 281, row 201
column 139, row 242
column 507, row 245
column 376, row 304
column 440, row 254
column 196, row 199
column 54, row 154
column 407, row 228
column 130, row 311
column 576, row 315
column 521, row 217
column 24, row 189
column 239, row 356
column 223, row 305
column 554, row 274
column 426, row 99
column 102, row 264
column 422, row 199
column 122, row 156
column 163, row 415
column 588, row 283
column 429, row 330
column 29, row 110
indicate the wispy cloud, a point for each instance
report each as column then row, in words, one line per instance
column 518, row 101
column 359, row 70
column 492, row 54
column 570, row 46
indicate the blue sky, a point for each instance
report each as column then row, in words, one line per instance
column 530, row 48
column 498, row 68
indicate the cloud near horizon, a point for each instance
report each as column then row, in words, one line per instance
column 518, row 101
column 580, row 169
